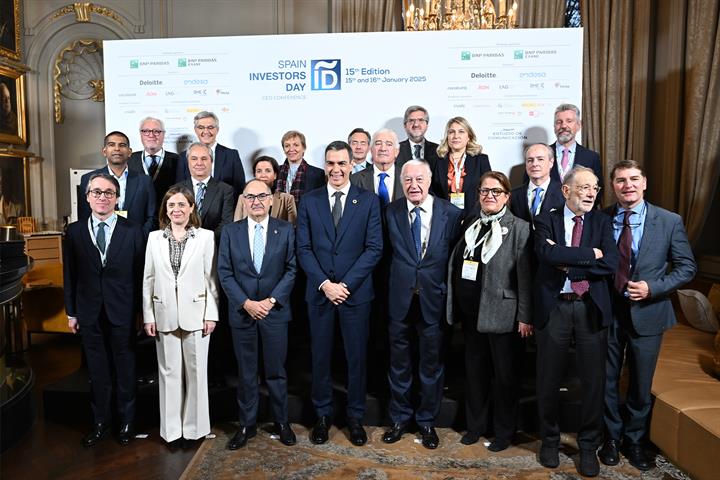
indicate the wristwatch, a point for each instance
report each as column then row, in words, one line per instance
column 272, row 300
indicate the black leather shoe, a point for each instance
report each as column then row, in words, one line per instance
column 549, row 456
column 242, row 436
column 498, row 445
column 99, row 430
column 609, row 453
column 319, row 433
column 358, row 437
column 636, row 456
column 126, row 433
column 287, row 436
column 394, row 433
column 470, row 438
column 429, row 437
column 589, row 465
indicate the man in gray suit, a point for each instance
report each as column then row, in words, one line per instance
column 383, row 178
column 655, row 260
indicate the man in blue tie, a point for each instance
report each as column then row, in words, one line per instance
column 382, row 179
column 541, row 192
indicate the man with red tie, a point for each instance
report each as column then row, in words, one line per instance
column 576, row 254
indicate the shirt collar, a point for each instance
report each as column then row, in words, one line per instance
column 390, row 171
column 204, row 180
column 110, row 221
column 264, row 223
column 426, row 206
column 159, row 154
column 638, row 209
column 331, row 190
column 121, row 176
column 569, row 213
column 545, row 185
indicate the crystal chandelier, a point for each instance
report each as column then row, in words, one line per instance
column 423, row 15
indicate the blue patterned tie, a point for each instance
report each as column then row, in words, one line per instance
column 382, row 189
column 417, row 231
column 258, row 247
column 536, row 200
column 200, row 195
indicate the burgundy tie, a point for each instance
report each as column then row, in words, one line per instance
column 625, row 246
column 582, row 286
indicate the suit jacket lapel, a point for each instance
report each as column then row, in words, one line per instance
column 244, row 245
column 92, row 250
column 191, row 244
column 398, row 187
column 131, row 187
column 219, row 162
column 116, row 240
column 348, row 212
column 651, row 218
column 209, row 198
column 271, row 242
column 326, row 215
column 437, row 224
column 402, row 216
column 442, row 177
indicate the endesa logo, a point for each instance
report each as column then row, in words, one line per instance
column 325, row 74
column 533, row 74
column 195, row 81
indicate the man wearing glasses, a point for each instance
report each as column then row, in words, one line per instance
column 649, row 239
column 227, row 166
column 417, row 147
column 154, row 161
column 577, row 255
column 136, row 195
column 256, row 267
column 102, row 271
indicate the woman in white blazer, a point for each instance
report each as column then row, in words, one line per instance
column 180, row 308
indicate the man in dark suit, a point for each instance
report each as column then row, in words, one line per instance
column 416, row 146
column 154, row 160
column 102, row 272
column 339, row 242
column 359, row 141
column 568, row 152
column 422, row 231
column 383, row 178
column 227, row 166
column 256, row 267
column 541, row 192
column 577, row 255
column 136, row 200
column 215, row 199
column 650, row 239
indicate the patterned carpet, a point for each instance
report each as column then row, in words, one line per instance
column 265, row 457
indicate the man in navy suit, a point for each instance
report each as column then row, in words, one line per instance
column 568, row 152
column 422, row 231
column 416, row 146
column 153, row 160
column 215, row 199
column 541, row 192
column 577, row 254
column 102, row 271
column 650, row 239
column 227, row 166
column 256, row 267
column 339, row 242
column 136, row 196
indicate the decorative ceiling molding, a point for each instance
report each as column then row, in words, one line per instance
column 78, row 74
column 82, row 11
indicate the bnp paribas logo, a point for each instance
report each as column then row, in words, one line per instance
column 182, row 62
column 325, row 74
column 465, row 55
column 134, row 63
column 519, row 54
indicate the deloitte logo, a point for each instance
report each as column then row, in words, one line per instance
column 465, row 55
column 134, row 63
column 325, row 74
column 182, row 62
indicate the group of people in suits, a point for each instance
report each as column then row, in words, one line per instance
column 462, row 247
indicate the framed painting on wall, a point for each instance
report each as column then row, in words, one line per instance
column 10, row 29
column 12, row 107
column 14, row 187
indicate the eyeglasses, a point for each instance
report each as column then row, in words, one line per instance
column 413, row 121
column 587, row 188
column 209, row 128
column 147, row 132
column 260, row 196
column 496, row 192
column 106, row 193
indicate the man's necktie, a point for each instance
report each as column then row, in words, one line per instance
column 200, row 195
column 258, row 247
column 536, row 200
column 581, row 287
column 418, row 149
column 337, row 208
column 565, row 159
column 382, row 189
column 417, row 231
column 625, row 247
column 153, row 165
column 100, row 237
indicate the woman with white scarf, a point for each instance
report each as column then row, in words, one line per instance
column 489, row 282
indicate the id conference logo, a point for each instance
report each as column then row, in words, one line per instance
column 325, row 74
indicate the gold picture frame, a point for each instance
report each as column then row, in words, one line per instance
column 10, row 29
column 12, row 107
column 14, row 186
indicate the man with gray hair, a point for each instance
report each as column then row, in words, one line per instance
column 568, row 152
column 226, row 166
column 153, row 160
column 382, row 178
column 541, row 192
column 417, row 147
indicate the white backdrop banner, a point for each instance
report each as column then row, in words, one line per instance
column 507, row 83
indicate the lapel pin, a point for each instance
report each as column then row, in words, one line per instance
column 275, row 232
column 354, row 201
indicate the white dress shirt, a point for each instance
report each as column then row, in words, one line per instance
column 531, row 194
column 389, row 181
column 122, row 180
column 331, row 198
column 426, row 209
